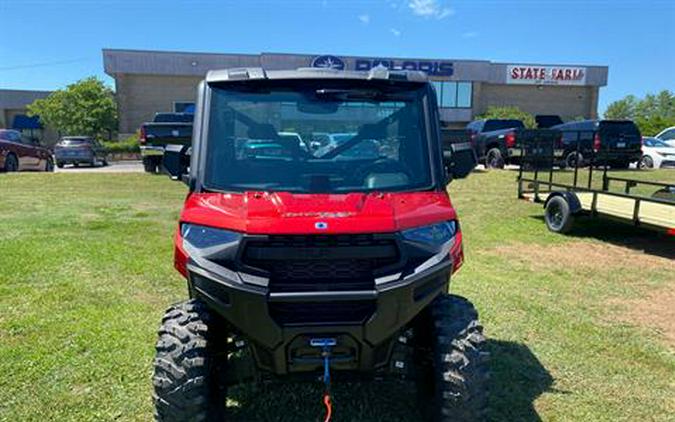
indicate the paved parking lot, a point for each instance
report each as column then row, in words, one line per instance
column 113, row 167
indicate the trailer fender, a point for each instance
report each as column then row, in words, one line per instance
column 570, row 197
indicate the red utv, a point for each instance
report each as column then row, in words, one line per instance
column 318, row 262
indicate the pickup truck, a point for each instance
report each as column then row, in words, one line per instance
column 166, row 128
column 499, row 141
column 494, row 140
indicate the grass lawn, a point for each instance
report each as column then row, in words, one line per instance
column 580, row 326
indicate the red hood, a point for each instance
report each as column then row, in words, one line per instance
column 289, row 213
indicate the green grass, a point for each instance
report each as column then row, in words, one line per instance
column 86, row 273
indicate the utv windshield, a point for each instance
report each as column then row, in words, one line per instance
column 318, row 137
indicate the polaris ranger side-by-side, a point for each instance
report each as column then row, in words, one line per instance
column 318, row 262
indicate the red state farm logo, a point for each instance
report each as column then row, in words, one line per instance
column 546, row 75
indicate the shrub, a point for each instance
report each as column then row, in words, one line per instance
column 509, row 113
column 125, row 146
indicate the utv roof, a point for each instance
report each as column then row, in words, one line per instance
column 253, row 73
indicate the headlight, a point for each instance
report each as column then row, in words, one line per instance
column 202, row 237
column 434, row 235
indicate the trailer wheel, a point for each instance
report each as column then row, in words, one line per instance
column 558, row 216
column 493, row 159
column 451, row 361
column 189, row 365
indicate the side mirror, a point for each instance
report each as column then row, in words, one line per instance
column 460, row 159
column 176, row 161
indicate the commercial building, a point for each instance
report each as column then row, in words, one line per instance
column 150, row 81
column 13, row 107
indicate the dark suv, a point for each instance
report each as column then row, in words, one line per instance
column 78, row 150
column 616, row 141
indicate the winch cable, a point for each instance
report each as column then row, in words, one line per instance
column 325, row 345
column 329, row 407
column 326, row 382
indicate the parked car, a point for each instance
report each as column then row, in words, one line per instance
column 166, row 128
column 656, row 154
column 618, row 142
column 667, row 135
column 78, row 150
column 19, row 152
column 499, row 141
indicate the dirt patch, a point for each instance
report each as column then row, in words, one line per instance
column 583, row 255
column 654, row 311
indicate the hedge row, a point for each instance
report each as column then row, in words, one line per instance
column 129, row 145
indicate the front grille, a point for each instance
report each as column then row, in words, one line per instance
column 351, row 312
column 321, row 263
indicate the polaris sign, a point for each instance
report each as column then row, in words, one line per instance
column 328, row 62
column 430, row 67
column 435, row 68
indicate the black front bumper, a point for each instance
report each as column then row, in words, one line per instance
column 362, row 346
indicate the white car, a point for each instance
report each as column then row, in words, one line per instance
column 656, row 154
column 668, row 136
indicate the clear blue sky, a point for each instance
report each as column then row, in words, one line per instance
column 47, row 44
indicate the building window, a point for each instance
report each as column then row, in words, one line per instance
column 453, row 94
column 184, row 107
column 464, row 92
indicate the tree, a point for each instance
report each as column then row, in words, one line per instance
column 509, row 113
column 86, row 107
column 622, row 109
column 652, row 114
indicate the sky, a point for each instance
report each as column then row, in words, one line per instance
column 48, row 44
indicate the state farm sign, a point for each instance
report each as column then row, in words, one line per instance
column 545, row 75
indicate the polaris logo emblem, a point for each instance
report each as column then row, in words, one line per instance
column 328, row 62
column 321, row 225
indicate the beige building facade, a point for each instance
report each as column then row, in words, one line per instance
column 147, row 82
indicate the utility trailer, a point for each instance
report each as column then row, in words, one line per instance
column 565, row 200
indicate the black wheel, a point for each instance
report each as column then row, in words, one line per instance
column 149, row 165
column 451, row 361
column 493, row 159
column 558, row 216
column 190, row 365
column 49, row 165
column 59, row 164
column 11, row 163
column 573, row 158
column 646, row 162
column 76, row 164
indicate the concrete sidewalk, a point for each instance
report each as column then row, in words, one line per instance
column 113, row 167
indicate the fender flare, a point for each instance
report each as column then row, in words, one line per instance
column 571, row 198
